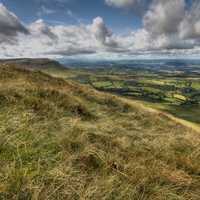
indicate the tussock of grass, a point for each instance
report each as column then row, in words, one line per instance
column 62, row 140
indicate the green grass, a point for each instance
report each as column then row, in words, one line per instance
column 63, row 140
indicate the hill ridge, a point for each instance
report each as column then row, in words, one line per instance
column 33, row 63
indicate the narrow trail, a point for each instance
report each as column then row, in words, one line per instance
column 191, row 125
column 186, row 123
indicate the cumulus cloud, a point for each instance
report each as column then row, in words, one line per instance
column 102, row 34
column 190, row 26
column 121, row 3
column 164, row 17
column 169, row 27
column 63, row 40
column 10, row 25
column 137, row 6
column 172, row 25
column 58, row 40
column 106, row 40
column 39, row 28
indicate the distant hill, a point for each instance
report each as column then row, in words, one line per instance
column 33, row 64
column 63, row 140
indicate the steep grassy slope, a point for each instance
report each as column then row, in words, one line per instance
column 62, row 140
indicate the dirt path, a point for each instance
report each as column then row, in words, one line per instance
column 185, row 123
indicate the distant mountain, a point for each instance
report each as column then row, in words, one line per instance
column 34, row 64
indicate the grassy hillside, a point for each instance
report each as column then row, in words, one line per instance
column 63, row 140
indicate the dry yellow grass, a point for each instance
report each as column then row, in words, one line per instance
column 62, row 140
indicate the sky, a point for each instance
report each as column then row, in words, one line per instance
column 103, row 29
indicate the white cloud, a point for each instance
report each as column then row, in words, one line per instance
column 121, row 3
column 164, row 17
column 39, row 28
column 190, row 26
column 10, row 26
column 169, row 28
column 137, row 6
column 100, row 31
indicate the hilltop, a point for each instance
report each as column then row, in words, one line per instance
column 64, row 140
column 33, row 63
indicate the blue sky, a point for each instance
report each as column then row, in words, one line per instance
column 99, row 28
column 83, row 10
